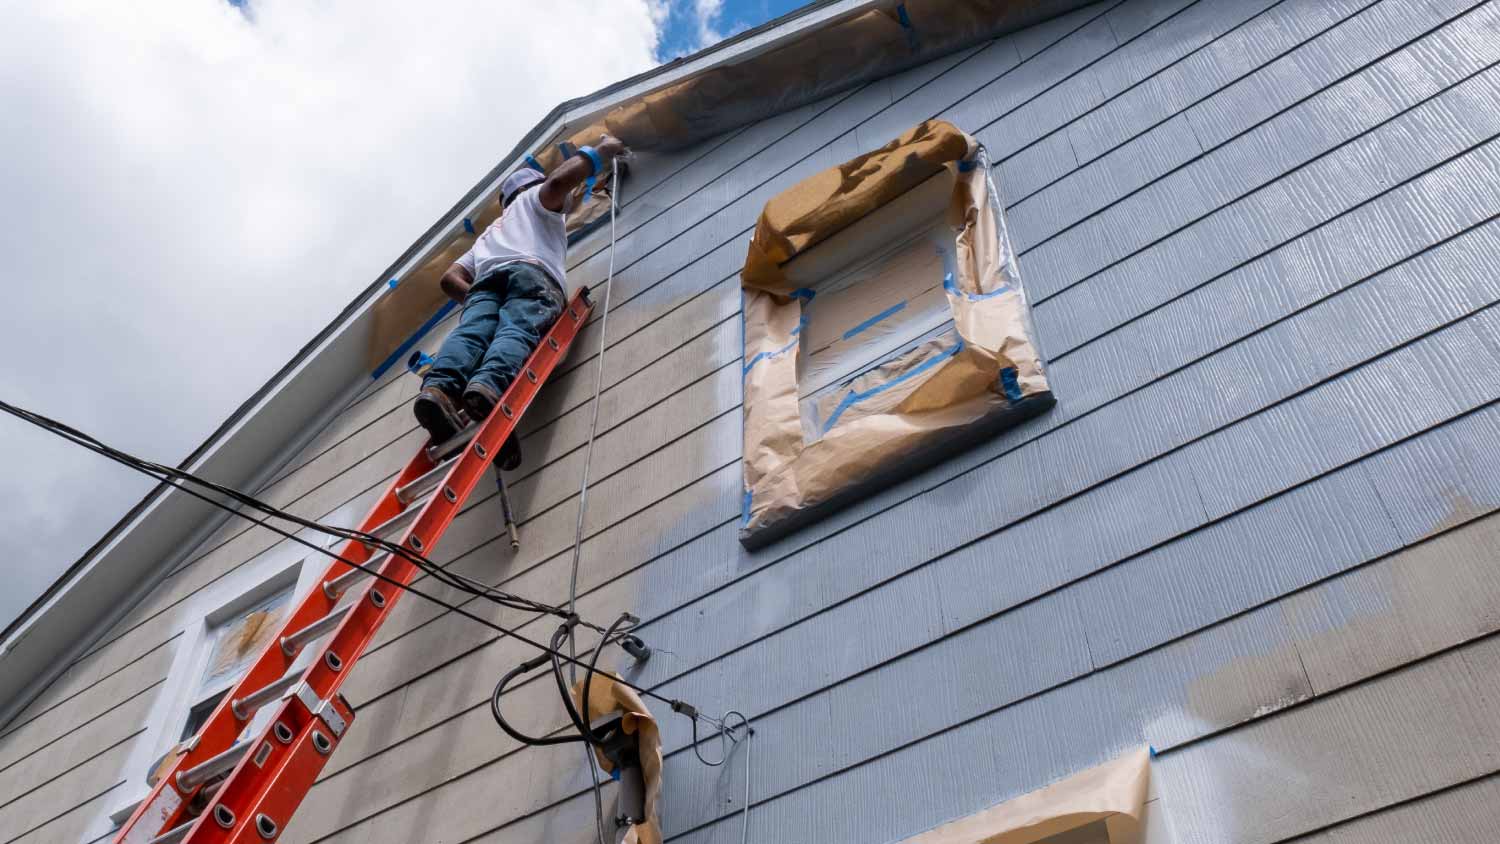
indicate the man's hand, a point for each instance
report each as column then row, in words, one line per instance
column 456, row 283
column 609, row 146
column 572, row 173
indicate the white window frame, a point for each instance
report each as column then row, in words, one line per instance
column 276, row 569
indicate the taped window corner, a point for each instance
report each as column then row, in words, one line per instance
column 885, row 328
column 1102, row 805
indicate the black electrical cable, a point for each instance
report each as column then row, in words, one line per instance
column 180, row 479
column 183, row 480
column 161, row 472
column 584, row 731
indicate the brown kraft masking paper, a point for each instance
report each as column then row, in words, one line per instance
column 1114, row 793
column 904, row 409
column 606, row 697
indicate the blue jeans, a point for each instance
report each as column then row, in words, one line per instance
column 503, row 320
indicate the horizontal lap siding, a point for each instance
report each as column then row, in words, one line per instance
column 1260, row 242
column 1173, row 442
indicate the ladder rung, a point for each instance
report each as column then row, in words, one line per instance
column 339, row 585
column 178, row 834
column 291, row 644
column 245, row 706
column 394, row 524
column 437, row 452
column 285, row 779
column 205, row 771
column 175, row 834
column 427, row 482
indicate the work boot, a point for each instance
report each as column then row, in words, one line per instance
column 480, row 402
column 436, row 412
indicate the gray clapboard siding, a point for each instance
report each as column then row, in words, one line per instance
column 1167, row 727
column 1464, row 814
column 1373, row 518
column 19, row 778
column 64, row 797
column 1240, row 230
column 32, row 733
column 1196, row 8
column 1225, row 383
column 1311, row 526
column 73, row 824
column 1287, row 774
column 1187, row 689
column 1216, row 65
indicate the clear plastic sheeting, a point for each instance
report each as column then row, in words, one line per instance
column 885, row 327
column 872, row 289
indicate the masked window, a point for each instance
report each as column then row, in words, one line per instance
column 885, row 328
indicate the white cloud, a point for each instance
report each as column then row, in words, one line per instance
column 192, row 192
column 707, row 13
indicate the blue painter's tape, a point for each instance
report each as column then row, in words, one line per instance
column 911, row 32
column 468, row 225
column 594, row 159
column 418, row 361
column 1152, row 748
column 764, row 355
column 801, row 324
column 888, row 312
column 567, row 150
column 596, row 163
column 392, row 283
column 615, row 774
column 413, row 339
column 966, row 166
column 745, row 508
column 533, row 163
column 952, row 287
column 1009, row 384
column 852, row 399
column 804, row 293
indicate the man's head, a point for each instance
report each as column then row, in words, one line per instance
column 517, row 182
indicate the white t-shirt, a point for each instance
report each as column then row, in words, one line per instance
column 525, row 231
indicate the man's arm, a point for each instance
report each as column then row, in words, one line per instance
column 572, row 173
column 456, row 282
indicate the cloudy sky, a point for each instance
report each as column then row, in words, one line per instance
column 193, row 188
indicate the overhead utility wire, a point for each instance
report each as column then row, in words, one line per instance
column 162, row 472
column 180, row 479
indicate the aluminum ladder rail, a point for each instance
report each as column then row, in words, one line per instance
column 269, row 774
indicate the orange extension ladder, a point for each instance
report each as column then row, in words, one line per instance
column 270, row 773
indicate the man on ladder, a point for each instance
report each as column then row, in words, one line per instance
column 512, row 284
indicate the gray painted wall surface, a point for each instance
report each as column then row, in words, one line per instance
column 1261, row 242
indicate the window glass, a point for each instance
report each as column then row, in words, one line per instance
column 237, row 641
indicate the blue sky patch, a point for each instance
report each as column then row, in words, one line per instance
column 691, row 25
